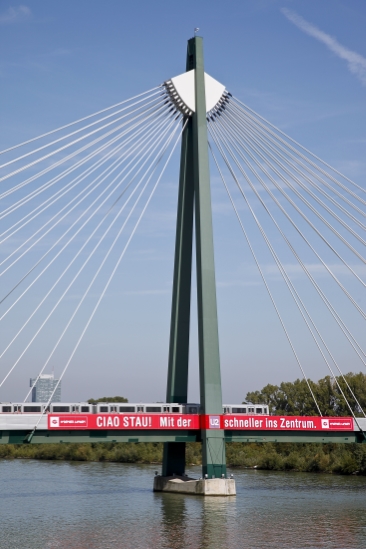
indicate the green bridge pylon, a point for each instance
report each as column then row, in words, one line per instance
column 194, row 204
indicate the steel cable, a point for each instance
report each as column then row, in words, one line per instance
column 157, row 158
column 286, row 181
column 312, row 154
column 76, row 121
column 276, row 145
column 262, row 274
column 111, row 276
column 290, row 286
column 77, row 131
column 296, row 208
column 265, row 150
column 355, row 345
column 85, row 159
column 64, row 159
column 108, row 171
column 81, row 227
column 160, row 156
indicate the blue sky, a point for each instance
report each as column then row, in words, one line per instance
column 300, row 64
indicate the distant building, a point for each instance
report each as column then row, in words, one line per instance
column 44, row 388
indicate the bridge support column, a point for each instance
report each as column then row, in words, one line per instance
column 177, row 384
column 213, row 442
column 195, row 201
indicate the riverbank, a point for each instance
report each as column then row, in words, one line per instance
column 317, row 458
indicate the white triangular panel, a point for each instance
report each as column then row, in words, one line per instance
column 184, row 88
column 214, row 91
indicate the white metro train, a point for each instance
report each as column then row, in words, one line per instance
column 124, row 408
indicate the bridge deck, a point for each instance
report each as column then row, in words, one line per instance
column 16, row 428
column 51, row 437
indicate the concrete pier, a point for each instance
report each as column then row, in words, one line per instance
column 201, row 487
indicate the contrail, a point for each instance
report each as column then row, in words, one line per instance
column 356, row 63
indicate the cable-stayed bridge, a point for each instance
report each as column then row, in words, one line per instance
column 73, row 199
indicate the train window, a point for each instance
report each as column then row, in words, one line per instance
column 126, row 409
column 60, row 409
column 250, row 410
column 175, row 409
column 239, row 410
column 32, row 408
column 140, row 408
column 75, row 408
column 113, row 408
column 103, row 409
column 226, row 410
column 85, row 408
column 6, row 408
column 166, row 408
column 153, row 408
column 17, row 408
column 258, row 410
column 192, row 410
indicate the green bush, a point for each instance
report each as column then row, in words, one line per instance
column 293, row 462
column 271, row 461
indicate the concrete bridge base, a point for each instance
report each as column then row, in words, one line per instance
column 201, row 487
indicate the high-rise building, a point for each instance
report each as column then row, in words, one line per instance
column 44, row 388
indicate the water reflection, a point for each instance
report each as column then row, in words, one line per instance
column 45, row 505
column 197, row 522
column 218, row 522
column 174, row 519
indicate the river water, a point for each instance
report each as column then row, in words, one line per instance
column 60, row 505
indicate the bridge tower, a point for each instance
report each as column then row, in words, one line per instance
column 194, row 205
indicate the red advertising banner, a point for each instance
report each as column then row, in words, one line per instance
column 279, row 423
column 123, row 421
column 230, row 422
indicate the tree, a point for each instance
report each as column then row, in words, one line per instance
column 357, row 384
column 295, row 398
column 107, row 399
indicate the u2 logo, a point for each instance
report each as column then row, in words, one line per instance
column 214, row 422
